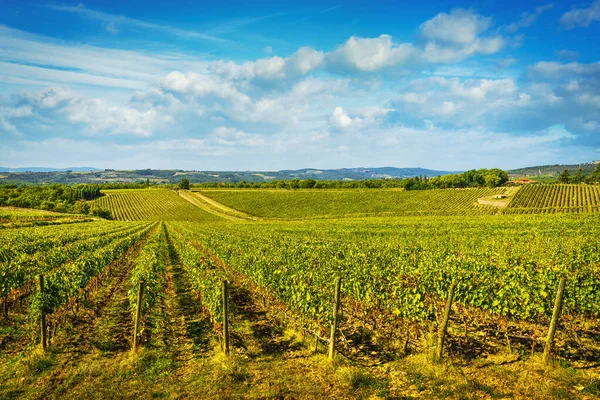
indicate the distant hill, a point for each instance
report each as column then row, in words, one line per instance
column 93, row 175
column 545, row 171
column 43, row 169
column 39, row 175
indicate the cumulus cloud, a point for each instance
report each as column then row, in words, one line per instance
column 370, row 54
column 459, row 27
column 445, row 38
column 581, row 17
column 198, row 84
column 460, row 34
column 339, row 119
column 95, row 114
column 298, row 64
column 102, row 117
column 365, row 117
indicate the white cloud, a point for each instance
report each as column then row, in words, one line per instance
column 339, row 119
column 8, row 113
column 274, row 68
column 101, row 117
column 235, row 137
column 370, row 54
column 552, row 69
column 458, row 35
column 305, row 60
column 200, row 85
column 447, row 108
column 363, row 118
column 458, row 102
column 459, row 27
column 437, row 53
column 446, row 38
column 95, row 114
column 581, row 16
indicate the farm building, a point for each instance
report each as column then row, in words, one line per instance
column 521, row 181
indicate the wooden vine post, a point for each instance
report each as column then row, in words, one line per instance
column 138, row 315
column 336, row 308
column 225, row 287
column 444, row 325
column 554, row 322
column 43, row 326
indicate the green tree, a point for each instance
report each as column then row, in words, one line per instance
column 492, row 180
column 185, row 184
column 579, row 176
column 307, row 183
column 100, row 212
column 595, row 176
column 564, row 176
column 81, row 207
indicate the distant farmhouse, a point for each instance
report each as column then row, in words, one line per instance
column 521, row 181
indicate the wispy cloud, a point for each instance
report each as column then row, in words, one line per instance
column 528, row 18
column 38, row 59
column 331, row 9
column 113, row 22
column 581, row 16
column 233, row 25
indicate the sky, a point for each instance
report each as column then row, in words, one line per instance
column 272, row 85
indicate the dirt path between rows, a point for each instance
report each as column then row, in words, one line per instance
column 188, row 329
column 214, row 207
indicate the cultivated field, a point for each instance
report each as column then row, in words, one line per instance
column 151, row 205
column 399, row 254
column 557, row 198
column 353, row 202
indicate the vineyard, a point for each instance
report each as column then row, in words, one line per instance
column 12, row 218
column 353, row 203
column 556, row 198
column 151, row 205
column 146, row 305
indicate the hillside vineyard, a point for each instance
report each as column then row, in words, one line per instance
column 398, row 254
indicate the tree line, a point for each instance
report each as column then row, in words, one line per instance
column 473, row 178
column 579, row 176
column 56, row 197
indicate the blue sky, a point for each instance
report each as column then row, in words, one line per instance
column 280, row 85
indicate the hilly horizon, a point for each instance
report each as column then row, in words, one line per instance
column 96, row 175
